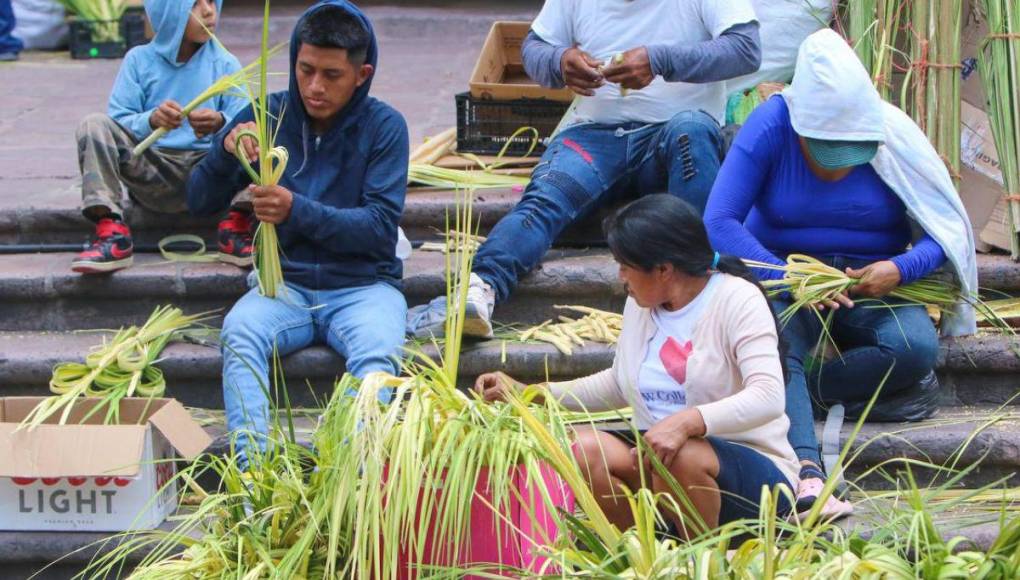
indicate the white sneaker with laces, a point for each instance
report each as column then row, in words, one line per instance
column 481, row 300
column 429, row 320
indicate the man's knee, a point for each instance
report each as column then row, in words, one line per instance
column 560, row 194
column 693, row 125
column 241, row 332
column 96, row 127
column 370, row 348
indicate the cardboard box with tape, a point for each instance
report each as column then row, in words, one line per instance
column 89, row 477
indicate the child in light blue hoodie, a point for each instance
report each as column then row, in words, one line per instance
column 154, row 82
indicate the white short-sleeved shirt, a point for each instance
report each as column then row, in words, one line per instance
column 663, row 376
column 604, row 28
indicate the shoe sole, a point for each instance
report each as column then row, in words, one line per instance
column 477, row 328
column 101, row 267
column 235, row 260
column 474, row 325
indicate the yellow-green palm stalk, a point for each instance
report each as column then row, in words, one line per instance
column 935, row 52
column 872, row 27
column 1000, row 72
column 104, row 14
column 95, row 9
column 423, row 172
column 119, row 368
column 346, row 510
column 236, row 82
column 1005, row 308
column 433, row 176
column 387, row 478
column 810, row 282
column 272, row 164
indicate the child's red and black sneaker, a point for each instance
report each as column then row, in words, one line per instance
column 112, row 249
column 235, row 238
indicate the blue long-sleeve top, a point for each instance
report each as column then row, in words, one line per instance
column 348, row 183
column 150, row 75
column 767, row 203
column 735, row 52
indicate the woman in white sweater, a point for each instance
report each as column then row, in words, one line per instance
column 698, row 361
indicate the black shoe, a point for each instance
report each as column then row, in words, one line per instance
column 917, row 402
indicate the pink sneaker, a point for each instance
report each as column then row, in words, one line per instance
column 808, row 491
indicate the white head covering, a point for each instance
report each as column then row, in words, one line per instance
column 833, row 98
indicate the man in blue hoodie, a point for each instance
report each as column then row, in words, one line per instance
column 153, row 82
column 336, row 210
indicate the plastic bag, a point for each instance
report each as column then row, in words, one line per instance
column 40, row 24
column 915, row 403
column 782, row 26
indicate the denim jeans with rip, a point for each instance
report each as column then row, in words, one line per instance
column 587, row 166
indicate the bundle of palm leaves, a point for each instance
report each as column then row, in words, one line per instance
column 122, row 367
column 272, row 162
column 1000, row 73
column 102, row 15
column 810, row 281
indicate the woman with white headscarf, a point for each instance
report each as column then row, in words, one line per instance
column 829, row 170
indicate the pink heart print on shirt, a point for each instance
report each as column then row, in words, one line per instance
column 674, row 358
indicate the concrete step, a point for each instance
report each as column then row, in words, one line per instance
column 194, row 372
column 40, row 292
column 980, row 370
column 49, row 214
column 25, row 553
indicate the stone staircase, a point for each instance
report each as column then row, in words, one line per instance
column 48, row 314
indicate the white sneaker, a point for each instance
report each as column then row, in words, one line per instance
column 481, row 300
column 429, row 320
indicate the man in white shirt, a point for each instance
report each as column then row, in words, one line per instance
column 649, row 75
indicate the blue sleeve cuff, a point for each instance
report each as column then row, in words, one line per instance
column 924, row 258
column 300, row 206
column 218, row 158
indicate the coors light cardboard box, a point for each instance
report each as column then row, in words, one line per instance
column 92, row 477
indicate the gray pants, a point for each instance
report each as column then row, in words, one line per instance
column 156, row 179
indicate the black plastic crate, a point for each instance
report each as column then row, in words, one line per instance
column 484, row 126
column 107, row 38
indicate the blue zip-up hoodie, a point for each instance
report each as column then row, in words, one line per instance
column 150, row 74
column 348, row 183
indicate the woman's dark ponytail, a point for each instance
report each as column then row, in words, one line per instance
column 663, row 229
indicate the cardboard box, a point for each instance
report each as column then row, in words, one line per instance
column 499, row 73
column 93, row 477
column 981, row 179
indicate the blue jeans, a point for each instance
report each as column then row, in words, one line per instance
column 870, row 337
column 8, row 43
column 587, row 166
column 365, row 325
